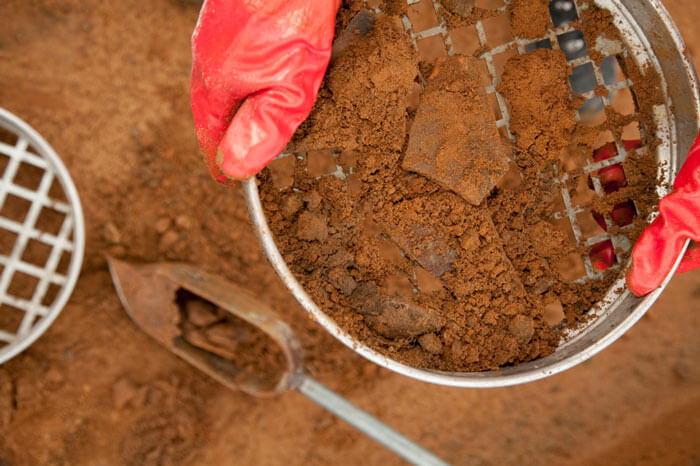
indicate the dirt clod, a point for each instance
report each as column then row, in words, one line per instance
column 553, row 312
column 522, row 329
column 312, row 227
column 431, row 343
column 395, row 318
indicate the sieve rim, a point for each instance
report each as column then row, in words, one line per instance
column 13, row 123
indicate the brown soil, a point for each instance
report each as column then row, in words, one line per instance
column 529, row 19
column 602, row 26
column 485, row 282
column 346, row 116
column 106, row 84
column 542, row 114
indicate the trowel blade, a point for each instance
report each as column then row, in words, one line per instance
column 148, row 293
column 148, row 297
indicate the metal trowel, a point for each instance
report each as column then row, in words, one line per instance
column 148, row 293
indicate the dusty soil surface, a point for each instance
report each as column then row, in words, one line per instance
column 529, row 19
column 106, row 84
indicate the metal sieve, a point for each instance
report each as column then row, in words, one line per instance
column 650, row 38
column 42, row 235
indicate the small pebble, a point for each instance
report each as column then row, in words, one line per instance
column 162, row 225
column 553, row 312
column 168, row 239
column 184, row 222
column 511, row 178
column 396, row 318
column 427, row 282
column 201, row 313
column 522, row 329
column 413, row 97
column 340, row 279
column 542, row 286
column 469, row 240
column 431, row 343
column 313, row 200
column 123, row 391
column 112, row 233
column 291, row 205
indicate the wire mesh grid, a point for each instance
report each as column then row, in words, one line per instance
column 41, row 227
column 564, row 36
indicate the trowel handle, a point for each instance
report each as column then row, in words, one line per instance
column 366, row 423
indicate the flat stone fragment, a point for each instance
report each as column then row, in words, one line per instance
column 454, row 139
column 394, row 317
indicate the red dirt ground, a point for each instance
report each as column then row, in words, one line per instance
column 106, row 83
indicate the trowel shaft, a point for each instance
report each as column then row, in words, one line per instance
column 366, row 423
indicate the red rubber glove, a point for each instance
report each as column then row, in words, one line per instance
column 257, row 67
column 661, row 242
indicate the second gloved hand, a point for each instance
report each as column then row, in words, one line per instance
column 661, row 242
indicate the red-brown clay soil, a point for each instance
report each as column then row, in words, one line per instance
column 106, row 83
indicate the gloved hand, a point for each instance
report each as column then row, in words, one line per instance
column 661, row 242
column 256, row 70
